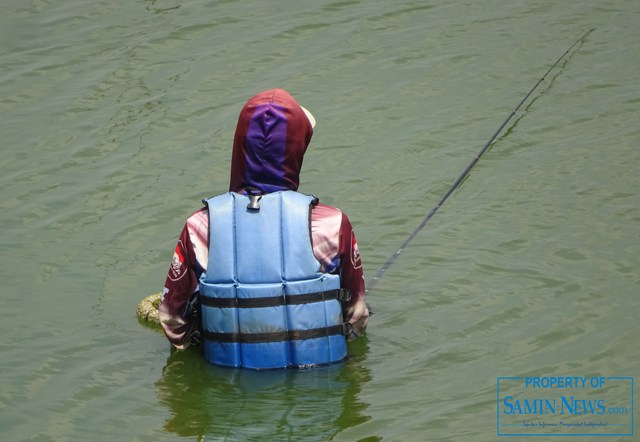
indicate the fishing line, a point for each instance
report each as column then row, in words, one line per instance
column 376, row 278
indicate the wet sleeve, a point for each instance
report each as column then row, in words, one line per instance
column 352, row 278
column 176, row 313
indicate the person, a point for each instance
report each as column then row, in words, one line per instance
column 265, row 276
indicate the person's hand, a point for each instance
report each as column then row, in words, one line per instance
column 358, row 317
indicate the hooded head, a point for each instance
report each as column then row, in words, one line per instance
column 272, row 135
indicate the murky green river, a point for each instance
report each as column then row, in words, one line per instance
column 117, row 118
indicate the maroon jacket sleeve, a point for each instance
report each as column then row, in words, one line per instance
column 336, row 248
column 352, row 277
column 181, row 284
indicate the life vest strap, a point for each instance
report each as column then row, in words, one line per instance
column 291, row 335
column 276, row 301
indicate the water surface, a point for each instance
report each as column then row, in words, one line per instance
column 118, row 117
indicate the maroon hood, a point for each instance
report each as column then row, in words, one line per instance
column 271, row 138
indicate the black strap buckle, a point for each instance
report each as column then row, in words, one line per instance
column 344, row 295
column 347, row 328
column 255, row 195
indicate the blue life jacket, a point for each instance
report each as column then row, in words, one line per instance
column 264, row 301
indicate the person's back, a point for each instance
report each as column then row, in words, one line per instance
column 272, row 268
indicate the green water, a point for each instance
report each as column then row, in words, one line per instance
column 117, row 118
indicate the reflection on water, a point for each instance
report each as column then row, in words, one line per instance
column 316, row 404
column 117, row 117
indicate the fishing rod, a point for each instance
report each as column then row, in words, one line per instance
column 376, row 278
